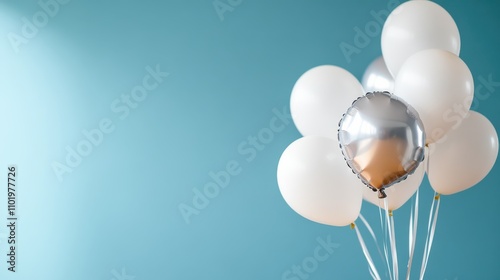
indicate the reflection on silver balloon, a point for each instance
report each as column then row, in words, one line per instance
column 382, row 139
column 377, row 77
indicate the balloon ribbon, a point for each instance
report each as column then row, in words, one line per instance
column 384, row 229
column 431, row 228
column 371, row 265
column 412, row 234
column 392, row 239
column 374, row 237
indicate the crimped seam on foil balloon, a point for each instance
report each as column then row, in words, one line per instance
column 382, row 140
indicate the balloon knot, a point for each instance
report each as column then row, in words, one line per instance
column 381, row 194
column 353, row 225
column 390, row 213
column 437, row 196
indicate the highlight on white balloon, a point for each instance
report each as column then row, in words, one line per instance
column 316, row 183
column 320, row 97
column 377, row 77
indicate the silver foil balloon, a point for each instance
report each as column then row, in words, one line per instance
column 382, row 139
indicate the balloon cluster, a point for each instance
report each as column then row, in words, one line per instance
column 418, row 103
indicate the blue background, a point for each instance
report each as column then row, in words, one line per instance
column 118, row 210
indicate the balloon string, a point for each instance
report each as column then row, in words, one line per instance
column 386, row 250
column 384, row 229
column 373, row 275
column 431, row 229
column 427, row 159
column 367, row 225
column 412, row 233
column 392, row 240
column 410, row 230
column 371, row 265
column 427, row 240
column 372, row 233
column 395, row 250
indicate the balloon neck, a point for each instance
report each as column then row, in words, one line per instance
column 353, row 225
column 381, row 194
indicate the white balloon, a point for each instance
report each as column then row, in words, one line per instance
column 320, row 97
column 377, row 77
column 414, row 26
column 316, row 182
column 398, row 194
column 465, row 157
column 439, row 85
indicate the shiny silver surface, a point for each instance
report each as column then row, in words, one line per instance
column 382, row 139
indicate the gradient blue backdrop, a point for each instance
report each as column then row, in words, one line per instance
column 117, row 213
